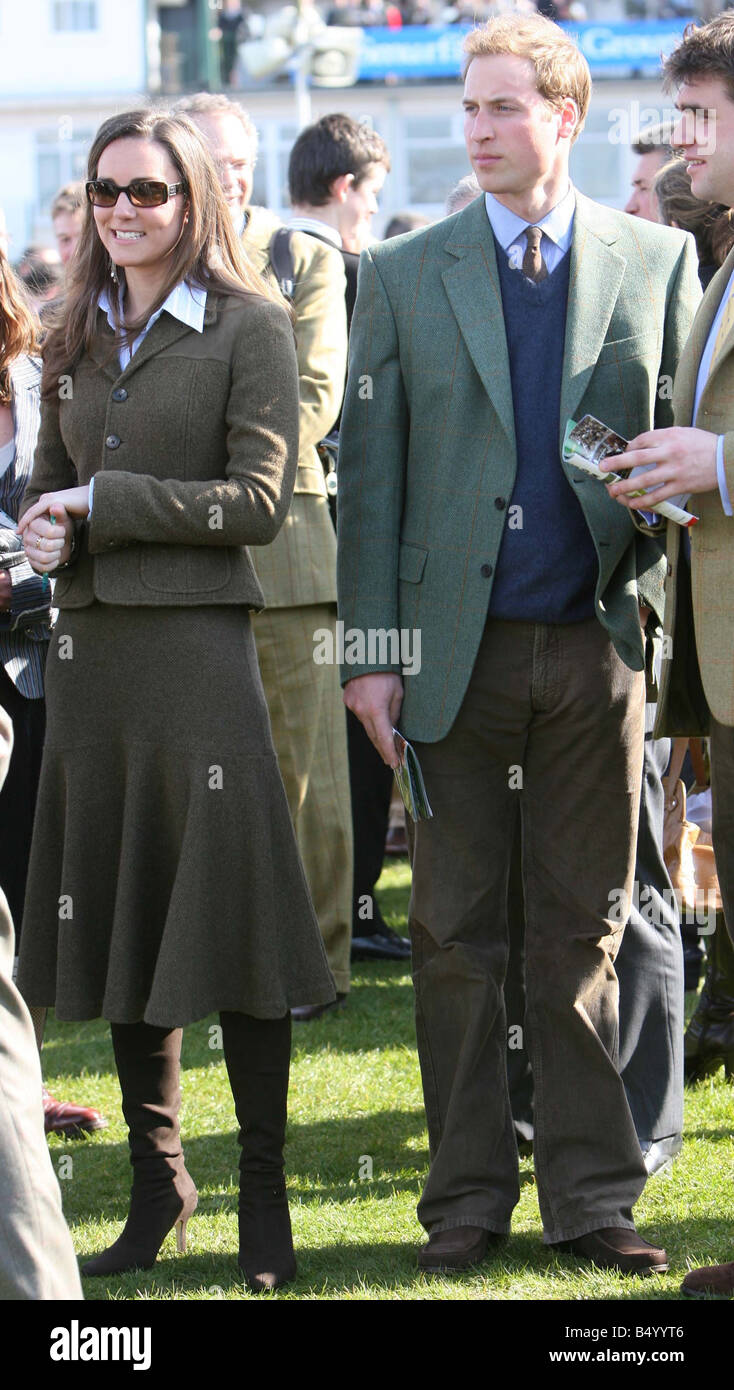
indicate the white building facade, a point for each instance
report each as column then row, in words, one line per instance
column 66, row 65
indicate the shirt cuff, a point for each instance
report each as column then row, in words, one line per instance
column 721, row 477
column 91, row 498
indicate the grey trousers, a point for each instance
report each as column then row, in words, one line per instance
column 552, row 720
column 36, row 1255
column 722, row 802
column 650, row 970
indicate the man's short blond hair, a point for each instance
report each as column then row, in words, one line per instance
column 560, row 67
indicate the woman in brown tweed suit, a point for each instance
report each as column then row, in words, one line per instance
column 164, row 879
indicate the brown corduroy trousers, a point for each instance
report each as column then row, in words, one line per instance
column 552, row 726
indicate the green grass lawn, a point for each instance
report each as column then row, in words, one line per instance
column 356, row 1160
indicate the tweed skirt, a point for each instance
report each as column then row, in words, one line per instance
column 164, row 880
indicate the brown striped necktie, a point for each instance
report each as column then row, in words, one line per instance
column 533, row 264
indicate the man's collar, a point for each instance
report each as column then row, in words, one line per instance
column 557, row 224
column 185, row 303
column 316, row 227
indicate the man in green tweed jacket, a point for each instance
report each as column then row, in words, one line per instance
column 697, row 685
column 472, row 344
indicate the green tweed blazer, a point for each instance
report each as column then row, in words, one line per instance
column 698, row 650
column 427, row 435
column 176, row 504
column 300, row 566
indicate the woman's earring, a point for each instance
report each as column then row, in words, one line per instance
column 113, row 272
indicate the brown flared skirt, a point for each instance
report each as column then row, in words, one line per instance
column 164, row 879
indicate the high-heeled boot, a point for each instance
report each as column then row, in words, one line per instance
column 709, row 1037
column 163, row 1195
column 257, row 1053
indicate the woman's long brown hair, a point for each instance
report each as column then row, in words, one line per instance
column 18, row 325
column 208, row 252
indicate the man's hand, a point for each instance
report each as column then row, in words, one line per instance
column 376, row 701
column 6, row 591
column 72, row 500
column 678, row 461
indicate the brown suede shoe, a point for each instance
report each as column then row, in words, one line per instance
column 459, row 1248
column 617, row 1247
column 717, row 1280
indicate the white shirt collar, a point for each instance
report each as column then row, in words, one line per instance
column 314, row 224
column 185, row 302
column 557, row 224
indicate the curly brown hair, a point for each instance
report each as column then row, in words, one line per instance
column 706, row 50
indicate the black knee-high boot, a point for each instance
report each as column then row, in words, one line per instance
column 257, row 1052
column 163, row 1195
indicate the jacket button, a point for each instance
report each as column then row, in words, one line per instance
column 486, row 571
column 113, row 441
column 119, row 394
column 500, row 503
column 670, row 569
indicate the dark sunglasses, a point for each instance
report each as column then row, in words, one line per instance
column 143, row 193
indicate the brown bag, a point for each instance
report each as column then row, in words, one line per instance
column 687, row 851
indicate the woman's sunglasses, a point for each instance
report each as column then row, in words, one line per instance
column 143, row 193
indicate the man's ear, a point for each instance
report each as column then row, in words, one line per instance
column 340, row 187
column 569, row 119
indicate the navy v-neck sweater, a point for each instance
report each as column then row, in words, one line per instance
column 547, row 566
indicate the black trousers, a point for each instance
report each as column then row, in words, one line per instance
column 18, row 796
column 371, row 787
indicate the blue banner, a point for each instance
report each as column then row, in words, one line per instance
column 435, row 50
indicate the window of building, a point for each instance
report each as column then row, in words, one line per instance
column 435, row 159
column 74, row 16
column 598, row 163
column 59, row 161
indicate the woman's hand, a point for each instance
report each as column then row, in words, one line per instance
column 47, row 543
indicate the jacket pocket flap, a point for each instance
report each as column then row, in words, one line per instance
column 412, row 562
column 624, row 349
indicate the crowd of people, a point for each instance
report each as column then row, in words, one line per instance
column 170, row 550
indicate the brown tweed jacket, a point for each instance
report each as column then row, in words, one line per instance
column 300, row 567
column 698, row 655
column 175, row 506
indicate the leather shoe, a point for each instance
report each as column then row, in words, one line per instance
column 459, row 1248
column 616, row 1247
column 305, row 1013
column 73, row 1121
column 710, row 1279
column 382, row 945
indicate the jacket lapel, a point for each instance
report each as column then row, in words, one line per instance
column 685, row 381
column 473, row 288
column 596, row 275
column 165, row 331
